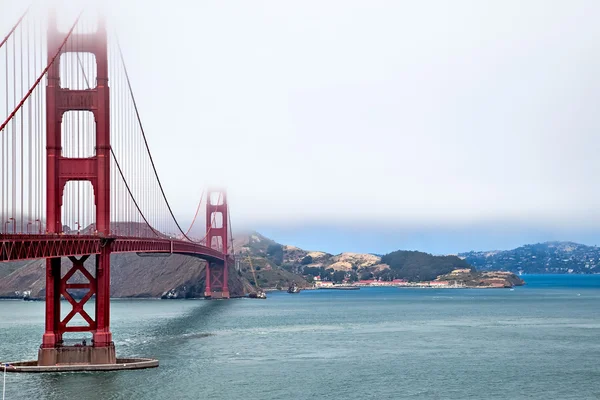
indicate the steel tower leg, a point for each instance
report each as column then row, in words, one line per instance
column 217, row 276
column 59, row 171
column 207, row 283
column 51, row 335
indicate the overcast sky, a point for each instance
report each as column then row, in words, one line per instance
column 437, row 125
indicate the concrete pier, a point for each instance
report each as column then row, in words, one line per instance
column 66, row 355
column 120, row 364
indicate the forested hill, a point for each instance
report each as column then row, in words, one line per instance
column 277, row 265
column 544, row 258
column 418, row 266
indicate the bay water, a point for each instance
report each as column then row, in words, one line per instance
column 540, row 341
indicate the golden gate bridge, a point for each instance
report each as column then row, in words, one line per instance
column 77, row 178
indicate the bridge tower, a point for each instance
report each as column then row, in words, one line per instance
column 217, row 274
column 60, row 170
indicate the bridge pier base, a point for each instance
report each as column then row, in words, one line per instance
column 101, row 349
column 217, row 285
column 77, row 355
column 216, row 295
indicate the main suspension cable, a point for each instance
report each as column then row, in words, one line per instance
column 230, row 230
column 41, row 75
column 15, row 27
column 139, row 120
column 196, row 215
column 131, row 194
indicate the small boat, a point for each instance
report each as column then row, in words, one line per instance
column 294, row 288
column 258, row 295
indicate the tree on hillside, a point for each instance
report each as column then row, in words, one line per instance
column 387, row 275
column 326, row 274
column 338, row 276
column 418, row 266
column 366, row 276
column 288, row 267
column 306, row 260
column 275, row 253
column 313, row 271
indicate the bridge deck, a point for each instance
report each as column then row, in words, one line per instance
column 29, row 247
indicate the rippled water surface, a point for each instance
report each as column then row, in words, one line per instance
column 535, row 342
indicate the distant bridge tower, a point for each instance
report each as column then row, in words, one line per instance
column 60, row 170
column 217, row 274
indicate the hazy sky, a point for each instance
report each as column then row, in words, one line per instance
column 438, row 125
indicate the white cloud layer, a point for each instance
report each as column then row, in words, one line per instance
column 420, row 112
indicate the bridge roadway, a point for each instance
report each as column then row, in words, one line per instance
column 21, row 247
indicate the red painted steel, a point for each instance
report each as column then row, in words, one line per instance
column 77, row 306
column 52, row 335
column 95, row 169
column 217, row 274
column 31, row 247
column 99, row 241
column 59, row 100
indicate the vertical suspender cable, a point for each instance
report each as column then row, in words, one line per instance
column 22, row 143
column 14, row 136
column 146, row 143
column 29, row 137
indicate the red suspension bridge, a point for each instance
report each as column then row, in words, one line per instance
column 77, row 178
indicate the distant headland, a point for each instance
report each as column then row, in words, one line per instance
column 277, row 266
